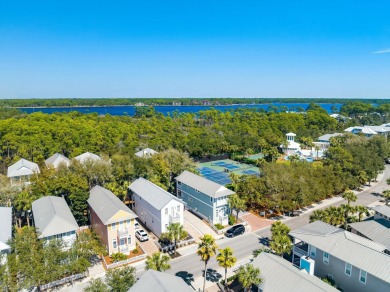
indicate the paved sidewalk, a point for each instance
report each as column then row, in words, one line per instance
column 199, row 225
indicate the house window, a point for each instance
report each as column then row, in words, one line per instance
column 325, row 258
column 211, row 199
column 113, row 226
column 313, row 252
column 178, row 208
column 128, row 222
column 166, row 211
column 114, row 243
column 348, row 269
column 363, row 277
column 129, row 240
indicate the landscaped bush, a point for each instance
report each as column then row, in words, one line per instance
column 117, row 257
column 232, row 219
column 218, row 226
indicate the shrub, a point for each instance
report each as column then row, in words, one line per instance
column 218, row 226
column 232, row 219
column 329, row 281
column 117, row 257
column 135, row 251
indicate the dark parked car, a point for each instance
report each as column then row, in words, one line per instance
column 235, row 230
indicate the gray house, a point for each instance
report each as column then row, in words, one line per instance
column 280, row 275
column 158, row 281
column 204, row 197
column 56, row 160
column 5, row 229
column 382, row 212
column 353, row 262
column 54, row 220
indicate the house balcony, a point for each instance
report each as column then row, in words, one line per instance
column 174, row 219
column 123, row 233
column 301, row 249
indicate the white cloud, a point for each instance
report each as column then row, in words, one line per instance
column 382, row 51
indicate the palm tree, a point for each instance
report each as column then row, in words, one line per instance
column 206, row 250
column 278, row 228
column 235, row 178
column 361, row 210
column 317, row 215
column 386, row 195
column 346, row 210
column 158, row 262
column 226, row 260
column 349, row 196
column 248, row 275
column 176, row 232
column 281, row 244
column 334, row 216
column 235, row 202
column 23, row 203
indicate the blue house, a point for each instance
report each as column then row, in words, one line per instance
column 204, row 197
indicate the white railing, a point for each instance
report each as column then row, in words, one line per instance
column 125, row 262
column 174, row 219
column 167, row 248
column 62, row 281
column 123, row 232
column 300, row 251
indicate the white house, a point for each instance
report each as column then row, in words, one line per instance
column 54, row 220
column 155, row 207
column 292, row 146
column 56, row 159
column 22, row 170
column 5, row 229
column 146, row 153
column 87, row 156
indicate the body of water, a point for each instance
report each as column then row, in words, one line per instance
column 130, row 110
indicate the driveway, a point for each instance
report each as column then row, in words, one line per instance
column 198, row 226
column 256, row 222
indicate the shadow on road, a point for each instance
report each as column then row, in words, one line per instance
column 213, row 275
column 187, row 277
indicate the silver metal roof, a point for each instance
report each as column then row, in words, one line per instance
column 56, row 159
column 5, row 226
column 52, row 216
column 376, row 230
column 151, row 193
column 155, row 281
column 147, row 152
column 327, row 137
column 205, row 186
column 22, row 167
column 384, row 210
column 280, row 275
column 348, row 247
column 82, row 158
column 106, row 205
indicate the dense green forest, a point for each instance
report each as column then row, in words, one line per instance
column 73, row 102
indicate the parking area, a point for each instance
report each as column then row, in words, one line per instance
column 198, row 226
column 256, row 222
column 148, row 246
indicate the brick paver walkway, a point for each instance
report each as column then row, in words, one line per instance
column 255, row 222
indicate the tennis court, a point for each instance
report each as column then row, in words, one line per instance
column 218, row 171
column 256, row 156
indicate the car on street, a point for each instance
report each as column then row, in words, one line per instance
column 141, row 235
column 235, row 230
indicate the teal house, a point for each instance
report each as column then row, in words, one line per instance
column 204, row 197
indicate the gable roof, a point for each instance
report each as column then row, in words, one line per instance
column 52, row 216
column 280, row 275
column 87, row 156
column 56, row 159
column 22, row 167
column 376, row 230
column 106, row 205
column 5, row 227
column 151, row 193
column 161, row 282
column 346, row 246
column 384, row 210
column 205, row 186
column 147, row 152
column 327, row 137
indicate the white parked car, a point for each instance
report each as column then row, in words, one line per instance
column 141, row 235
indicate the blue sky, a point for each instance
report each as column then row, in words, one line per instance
column 54, row 49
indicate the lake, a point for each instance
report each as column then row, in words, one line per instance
column 130, row 110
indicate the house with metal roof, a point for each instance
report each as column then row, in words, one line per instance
column 56, row 159
column 22, row 170
column 204, row 197
column 370, row 131
column 353, row 262
column 161, row 282
column 112, row 220
column 87, row 156
column 290, row 147
column 376, row 230
column 146, row 153
column 382, row 212
column 54, row 220
column 278, row 274
column 155, row 207
column 5, row 229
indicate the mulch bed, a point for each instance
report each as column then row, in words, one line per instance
column 131, row 255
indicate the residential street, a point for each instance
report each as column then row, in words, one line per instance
column 190, row 267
